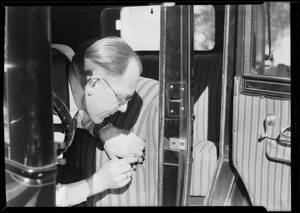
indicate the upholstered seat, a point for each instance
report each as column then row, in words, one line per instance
column 207, row 107
column 203, row 167
column 141, row 118
column 207, row 92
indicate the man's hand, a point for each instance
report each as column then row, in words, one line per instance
column 114, row 174
column 121, row 143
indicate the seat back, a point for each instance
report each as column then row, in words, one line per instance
column 207, row 91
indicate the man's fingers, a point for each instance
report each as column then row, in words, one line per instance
column 125, row 182
column 113, row 157
column 125, row 168
column 137, row 152
column 131, row 159
column 139, row 147
column 127, row 160
column 134, row 166
column 136, row 138
column 127, row 174
column 140, row 160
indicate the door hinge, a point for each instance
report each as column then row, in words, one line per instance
column 177, row 143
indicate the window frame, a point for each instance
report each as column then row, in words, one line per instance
column 258, row 84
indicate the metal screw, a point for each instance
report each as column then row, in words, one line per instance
column 171, row 87
column 171, row 111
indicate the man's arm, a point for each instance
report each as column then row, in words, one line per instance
column 117, row 142
column 112, row 175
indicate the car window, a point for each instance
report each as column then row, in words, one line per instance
column 140, row 27
column 274, row 61
column 204, row 27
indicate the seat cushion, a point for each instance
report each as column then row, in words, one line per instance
column 207, row 90
column 203, row 167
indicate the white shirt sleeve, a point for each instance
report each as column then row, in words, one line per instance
column 71, row 194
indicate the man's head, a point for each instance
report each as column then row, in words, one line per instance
column 103, row 76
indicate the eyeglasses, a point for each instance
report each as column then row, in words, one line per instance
column 120, row 101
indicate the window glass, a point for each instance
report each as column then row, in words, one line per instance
column 257, row 48
column 204, row 27
column 280, row 57
column 140, row 27
column 274, row 61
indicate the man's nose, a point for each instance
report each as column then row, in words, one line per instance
column 123, row 108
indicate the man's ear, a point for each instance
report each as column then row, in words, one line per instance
column 91, row 84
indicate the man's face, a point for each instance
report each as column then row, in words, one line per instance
column 104, row 97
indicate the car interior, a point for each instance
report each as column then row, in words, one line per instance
column 141, row 116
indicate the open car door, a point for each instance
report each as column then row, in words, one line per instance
column 175, row 118
column 30, row 170
column 261, row 131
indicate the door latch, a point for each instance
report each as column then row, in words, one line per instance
column 175, row 99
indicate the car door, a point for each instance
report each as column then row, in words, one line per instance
column 261, row 131
column 176, row 105
column 30, row 169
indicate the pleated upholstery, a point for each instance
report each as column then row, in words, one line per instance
column 267, row 181
column 207, row 107
column 150, row 65
column 203, row 167
column 142, row 119
column 207, row 88
column 208, row 82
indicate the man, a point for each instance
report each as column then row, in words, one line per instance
column 103, row 76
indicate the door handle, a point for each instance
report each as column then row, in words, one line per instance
column 268, row 123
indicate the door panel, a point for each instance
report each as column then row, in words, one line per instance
column 262, row 160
